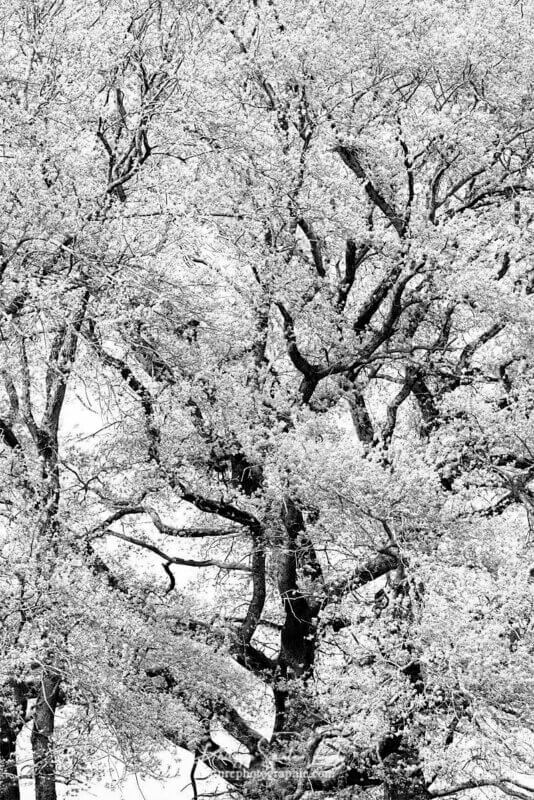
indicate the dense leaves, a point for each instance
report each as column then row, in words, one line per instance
column 266, row 304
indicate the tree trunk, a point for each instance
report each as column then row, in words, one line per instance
column 42, row 736
column 9, row 784
column 12, row 712
column 403, row 776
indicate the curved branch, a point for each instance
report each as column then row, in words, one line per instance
column 521, row 791
column 136, row 386
column 188, row 533
column 297, row 359
column 183, row 562
column 219, row 507
column 259, row 591
column 387, row 559
column 470, row 349
column 393, row 408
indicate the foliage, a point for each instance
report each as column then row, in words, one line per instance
column 275, row 257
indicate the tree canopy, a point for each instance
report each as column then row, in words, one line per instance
column 266, row 296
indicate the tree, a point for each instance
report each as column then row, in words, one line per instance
column 59, row 248
column 303, row 302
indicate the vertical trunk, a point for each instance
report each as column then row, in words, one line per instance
column 402, row 761
column 42, row 736
column 360, row 414
column 403, row 776
column 12, row 712
column 298, row 637
column 299, row 632
column 9, row 785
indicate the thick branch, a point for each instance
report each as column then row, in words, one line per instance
column 315, row 245
column 386, row 560
column 8, row 436
column 219, row 507
column 61, row 360
column 297, row 359
column 393, row 408
column 359, row 412
column 125, row 372
column 353, row 259
column 351, row 158
column 371, row 306
column 470, row 349
column 257, row 602
column 425, row 400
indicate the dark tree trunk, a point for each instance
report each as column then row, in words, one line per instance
column 403, row 776
column 12, row 713
column 42, row 737
column 9, row 785
column 402, row 762
column 298, row 638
